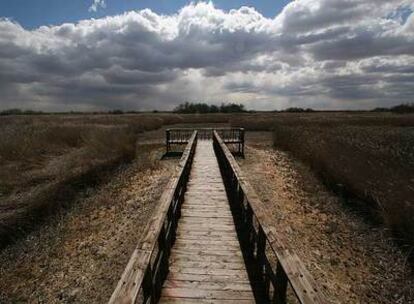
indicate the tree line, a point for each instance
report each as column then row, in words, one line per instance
column 191, row 108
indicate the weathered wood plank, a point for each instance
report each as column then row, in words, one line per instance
column 206, row 262
column 237, row 286
column 203, row 301
column 208, row 249
column 207, row 294
column 205, row 278
column 205, row 252
column 236, row 265
column 206, row 207
column 213, row 219
column 204, row 235
column 205, row 213
column 213, row 242
column 235, row 273
column 206, row 258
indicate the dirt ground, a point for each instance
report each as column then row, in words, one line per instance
column 354, row 261
column 79, row 256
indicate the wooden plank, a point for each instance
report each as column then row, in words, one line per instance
column 213, row 219
column 192, row 237
column 205, row 252
column 207, row 222
column 206, row 206
column 211, row 242
column 209, row 285
column 184, row 231
column 236, row 265
column 196, row 301
column 234, row 273
column 205, row 278
column 207, row 294
column 206, row 214
column 205, row 209
column 209, row 227
column 206, row 258
column 206, row 246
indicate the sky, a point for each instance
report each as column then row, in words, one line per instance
column 35, row 13
column 89, row 55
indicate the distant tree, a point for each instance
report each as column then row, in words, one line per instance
column 12, row 112
column 400, row 109
column 116, row 112
column 187, row 108
column 298, row 110
column 232, row 108
column 379, row 109
column 19, row 112
column 403, row 108
column 214, row 109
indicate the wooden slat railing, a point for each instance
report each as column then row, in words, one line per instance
column 147, row 268
column 275, row 266
column 180, row 136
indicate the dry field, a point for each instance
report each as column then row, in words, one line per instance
column 76, row 190
column 367, row 158
column 47, row 159
column 352, row 259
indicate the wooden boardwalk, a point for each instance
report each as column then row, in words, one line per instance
column 206, row 262
column 190, row 251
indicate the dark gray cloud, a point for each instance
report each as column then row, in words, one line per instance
column 346, row 53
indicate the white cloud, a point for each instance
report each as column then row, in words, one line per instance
column 96, row 4
column 321, row 53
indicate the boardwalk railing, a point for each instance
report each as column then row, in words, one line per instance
column 274, row 265
column 147, row 268
column 234, row 137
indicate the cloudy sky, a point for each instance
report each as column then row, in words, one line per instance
column 61, row 55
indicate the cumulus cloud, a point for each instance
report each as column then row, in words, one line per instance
column 319, row 53
column 96, row 5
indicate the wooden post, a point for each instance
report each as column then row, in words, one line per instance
column 167, row 138
column 261, row 251
column 279, row 296
column 242, row 141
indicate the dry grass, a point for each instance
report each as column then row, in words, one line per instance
column 111, row 142
column 45, row 159
column 79, row 253
column 370, row 155
column 368, row 158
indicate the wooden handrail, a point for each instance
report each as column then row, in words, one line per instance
column 147, row 268
column 231, row 136
column 259, row 238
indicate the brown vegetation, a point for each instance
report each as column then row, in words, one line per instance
column 45, row 159
column 366, row 157
column 78, row 254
